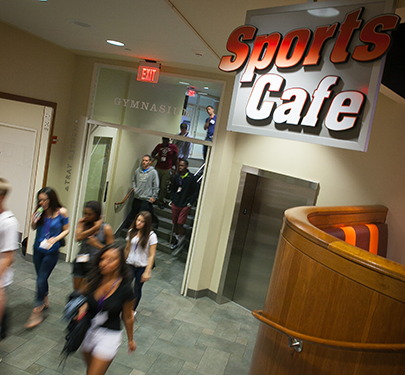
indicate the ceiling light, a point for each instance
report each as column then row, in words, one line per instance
column 77, row 22
column 184, row 83
column 206, row 88
column 324, row 12
column 115, row 43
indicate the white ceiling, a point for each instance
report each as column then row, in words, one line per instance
column 175, row 32
column 182, row 33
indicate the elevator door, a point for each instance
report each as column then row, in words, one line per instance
column 261, row 212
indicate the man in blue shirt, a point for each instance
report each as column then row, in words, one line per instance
column 209, row 127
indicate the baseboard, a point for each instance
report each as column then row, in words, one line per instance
column 202, row 293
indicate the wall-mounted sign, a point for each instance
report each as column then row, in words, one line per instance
column 310, row 72
column 148, row 72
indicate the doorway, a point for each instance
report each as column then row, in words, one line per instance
column 26, row 126
column 113, row 153
column 258, row 216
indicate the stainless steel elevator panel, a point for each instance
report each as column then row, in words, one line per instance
column 263, row 197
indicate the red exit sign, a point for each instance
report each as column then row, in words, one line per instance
column 148, row 72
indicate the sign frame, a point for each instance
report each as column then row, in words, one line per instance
column 360, row 143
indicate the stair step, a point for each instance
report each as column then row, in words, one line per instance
column 164, row 247
column 163, row 234
column 166, row 220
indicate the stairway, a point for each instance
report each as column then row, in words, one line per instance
column 164, row 232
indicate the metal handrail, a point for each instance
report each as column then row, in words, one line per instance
column 199, row 169
column 126, row 197
column 297, row 337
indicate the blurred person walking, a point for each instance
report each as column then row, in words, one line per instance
column 140, row 252
column 93, row 234
column 51, row 222
column 109, row 297
column 8, row 245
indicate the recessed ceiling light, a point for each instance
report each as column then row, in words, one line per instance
column 206, row 88
column 77, row 22
column 115, row 43
column 324, row 12
column 184, row 83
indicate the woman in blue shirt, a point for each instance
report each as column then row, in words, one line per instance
column 51, row 222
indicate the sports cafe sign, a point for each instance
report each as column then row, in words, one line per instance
column 310, row 73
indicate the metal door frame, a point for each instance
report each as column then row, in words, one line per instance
column 312, row 185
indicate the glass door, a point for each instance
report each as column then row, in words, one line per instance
column 97, row 182
column 97, row 171
column 98, row 165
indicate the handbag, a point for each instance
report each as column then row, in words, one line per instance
column 24, row 246
column 76, row 329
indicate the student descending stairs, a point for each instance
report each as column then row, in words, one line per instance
column 165, row 231
column 164, row 228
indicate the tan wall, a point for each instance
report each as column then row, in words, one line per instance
column 41, row 70
column 346, row 177
column 37, row 69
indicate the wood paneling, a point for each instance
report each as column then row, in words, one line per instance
column 330, row 290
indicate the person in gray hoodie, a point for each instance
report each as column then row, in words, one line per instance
column 145, row 187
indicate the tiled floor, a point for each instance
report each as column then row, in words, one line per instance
column 174, row 334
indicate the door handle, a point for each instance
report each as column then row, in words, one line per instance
column 105, row 191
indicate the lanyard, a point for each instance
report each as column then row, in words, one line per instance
column 47, row 226
column 181, row 179
column 100, row 302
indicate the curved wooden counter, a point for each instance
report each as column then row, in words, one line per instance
column 346, row 305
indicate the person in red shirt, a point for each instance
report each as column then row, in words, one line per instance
column 166, row 155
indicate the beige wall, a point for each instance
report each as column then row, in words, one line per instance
column 41, row 70
column 346, row 177
column 37, row 69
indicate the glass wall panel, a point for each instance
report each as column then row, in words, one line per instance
column 121, row 99
column 99, row 160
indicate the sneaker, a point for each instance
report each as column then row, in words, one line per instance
column 176, row 251
column 174, row 246
column 178, row 248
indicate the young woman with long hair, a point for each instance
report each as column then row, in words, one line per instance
column 51, row 222
column 94, row 234
column 109, row 296
column 140, row 252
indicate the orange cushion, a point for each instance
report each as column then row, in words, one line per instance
column 369, row 237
